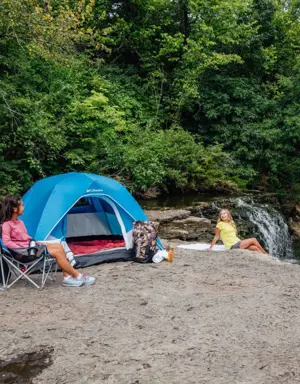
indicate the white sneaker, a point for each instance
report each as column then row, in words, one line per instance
column 87, row 280
column 72, row 282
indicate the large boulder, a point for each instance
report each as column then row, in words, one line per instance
column 190, row 228
column 166, row 215
column 179, row 224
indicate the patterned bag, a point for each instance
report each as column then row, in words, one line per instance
column 144, row 240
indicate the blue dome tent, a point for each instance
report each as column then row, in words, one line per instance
column 82, row 206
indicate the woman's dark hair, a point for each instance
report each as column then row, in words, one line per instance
column 7, row 206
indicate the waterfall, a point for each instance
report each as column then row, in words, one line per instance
column 270, row 225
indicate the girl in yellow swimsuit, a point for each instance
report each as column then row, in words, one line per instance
column 226, row 229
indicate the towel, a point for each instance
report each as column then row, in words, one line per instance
column 202, row 247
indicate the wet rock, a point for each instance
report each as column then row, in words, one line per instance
column 200, row 223
column 295, row 227
column 202, row 209
column 169, row 233
column 190, row 228
column 181, row 224
column 167, row 215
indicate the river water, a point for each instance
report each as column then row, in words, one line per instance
column 254, row 218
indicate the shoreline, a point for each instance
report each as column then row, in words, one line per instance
column 208, row 317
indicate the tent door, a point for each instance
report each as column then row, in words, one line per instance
column 119, row 218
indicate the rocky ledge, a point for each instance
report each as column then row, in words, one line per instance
column 183, row 224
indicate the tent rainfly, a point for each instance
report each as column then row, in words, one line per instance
column 93, row 214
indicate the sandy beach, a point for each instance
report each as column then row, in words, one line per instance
column 208, row 317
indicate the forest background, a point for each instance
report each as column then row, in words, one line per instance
column 163, row 95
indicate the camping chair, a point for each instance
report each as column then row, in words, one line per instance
column 14, row 267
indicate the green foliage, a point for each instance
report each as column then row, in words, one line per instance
column 162, row 95
column 169, row 160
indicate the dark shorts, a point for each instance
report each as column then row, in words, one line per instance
column 236, row 246
column 21, row 254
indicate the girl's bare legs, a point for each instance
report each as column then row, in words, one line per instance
column 253, row 248
column 246, row 244
column 58, row 253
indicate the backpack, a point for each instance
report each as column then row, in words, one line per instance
column 144, row 239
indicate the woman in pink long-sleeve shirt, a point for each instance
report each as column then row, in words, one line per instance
column 15, row 236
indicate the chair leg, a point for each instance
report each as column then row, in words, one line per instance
column 48, row 270
column 54, row 272
column 44, row 274
column 3, row 278
column 20, row 274
column 2, row 274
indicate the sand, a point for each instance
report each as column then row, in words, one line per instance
column 209, row 317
